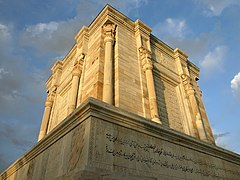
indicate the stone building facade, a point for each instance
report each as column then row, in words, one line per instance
column 119, row 61
column 122, row 105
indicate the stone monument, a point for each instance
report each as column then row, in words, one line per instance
column 124, row 105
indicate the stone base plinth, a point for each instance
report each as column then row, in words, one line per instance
column 100, row 141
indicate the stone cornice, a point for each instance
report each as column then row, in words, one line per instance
column 109, row 13
column 69, row 55
column 180, row 54
column 81, row 33
column 58, row 65
column 139, row 123
column 161, row 45
column 142, row 28
column 193, row 70
column 49, row 82
column 79, row 38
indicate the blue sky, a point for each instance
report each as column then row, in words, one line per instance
column 33, row 34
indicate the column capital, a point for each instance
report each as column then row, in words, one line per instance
column 56, row 73
column 109, row 31
column 50, row 98
column 144, row 52
column 80, row 35
column 146, row 59
column 188, row 86
column 77, row 68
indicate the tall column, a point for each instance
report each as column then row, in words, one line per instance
column 82, row 39
column 204, row 115
column 46, row 115
column 147, row 68
column 76, row 73
column 194, row 106
column 200, row 127
column 109, row 31
column 181, row 63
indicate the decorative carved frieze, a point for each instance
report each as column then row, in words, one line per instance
column 50, row 98
column 56, row 73
column 188, row 86
column 146, row 58
column 77, row 68
column 109, row 31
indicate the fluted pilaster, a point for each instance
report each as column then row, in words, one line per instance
column 46, row 115
column 190, row 92
column 76, row 75
column 109, row 32
column 147, row 66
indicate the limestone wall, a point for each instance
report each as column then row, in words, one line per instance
column 100, row 141
column 142, row 75
column 128, row 93
column 93, row 70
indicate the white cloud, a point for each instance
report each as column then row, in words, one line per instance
column 125, row 6
column 214, row 60
column 216, row 7
column 235, row 84
column 176, row 28
column 43, row 28
column 140, row 3
column 195, row 45
column 222, row 139
column 4, row 32
column 22, row 90
column 58, row 36
column 51, row 37
column 3, row 72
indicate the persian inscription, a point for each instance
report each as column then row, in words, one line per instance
column 154, row 155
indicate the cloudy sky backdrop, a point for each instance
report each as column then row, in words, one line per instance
column 33, row 34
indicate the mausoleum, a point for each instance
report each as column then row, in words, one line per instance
column 122, row 104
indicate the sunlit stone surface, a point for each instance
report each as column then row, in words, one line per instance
column 124, row 105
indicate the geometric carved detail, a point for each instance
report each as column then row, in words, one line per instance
column 146, row 60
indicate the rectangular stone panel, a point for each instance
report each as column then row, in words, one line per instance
column 123, row 150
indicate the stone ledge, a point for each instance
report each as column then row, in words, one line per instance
column 99, row 110
column 141, row 124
